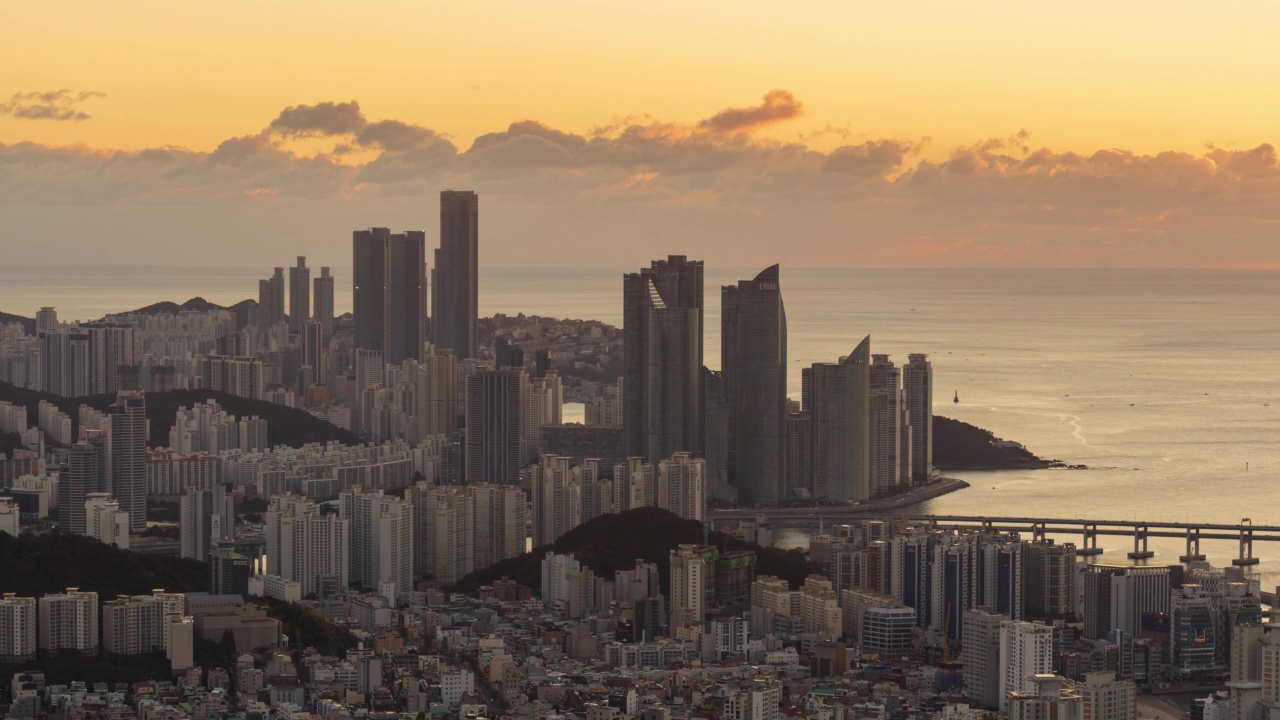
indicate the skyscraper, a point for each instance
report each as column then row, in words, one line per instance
column 381, row 539
column 838, row 394
column 307, row 546
column 324, row 301
column 271, row 298
column 688, row 586
column 1026, row 650
column 207, row 516
column 662, row 359
column 495, row 402
column 455, row 291
column 84, row 473
column 917, row 382
column 887, row 402
column 127, row 481
column 753, row 353
column 299, row 295
column 389, row 302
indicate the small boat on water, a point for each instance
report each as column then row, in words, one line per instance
column 957, row 398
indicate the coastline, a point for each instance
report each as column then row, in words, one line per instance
column 937, row 488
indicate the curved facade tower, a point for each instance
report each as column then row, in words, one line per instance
column 753, row 358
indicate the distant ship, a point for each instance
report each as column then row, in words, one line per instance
column 957, row 400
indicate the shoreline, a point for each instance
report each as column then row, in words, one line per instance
column 935, row 489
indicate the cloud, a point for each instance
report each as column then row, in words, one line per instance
column 51, row 105
column 319, row 120
column 644, row 186
column 777, row 105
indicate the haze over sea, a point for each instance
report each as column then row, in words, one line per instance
column 1165, row 383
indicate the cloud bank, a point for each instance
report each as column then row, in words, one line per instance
column 643, row 187
column 51, row 105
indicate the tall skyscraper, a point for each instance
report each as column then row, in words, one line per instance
column 495, row 403
column 444, row 530
column 324, row 301
column 838, row 394
column 753, row 354
column 299, row 296
column 455, row 302
column 271, row 298
column 85, row 473
column 46, row 320
column 110, row 348
column 127, row 480
column 557, row 499
column 389, row 301
column 917, row 381
column 887, row 404
column 207, row 516
column 436, row 400
column 65, row 362
column 662, row 359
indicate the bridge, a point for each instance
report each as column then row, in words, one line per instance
column 1245, row 533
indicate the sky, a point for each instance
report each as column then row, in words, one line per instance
column 926, row 134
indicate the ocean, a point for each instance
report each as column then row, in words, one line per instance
column 1166, row 384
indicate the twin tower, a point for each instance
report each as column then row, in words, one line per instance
column 390, row 285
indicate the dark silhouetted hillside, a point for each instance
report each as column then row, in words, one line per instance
column 960, row 446
column 614, row 542
column 198, row 304
column 28, row 324
column 34, row 565
column 285, row 426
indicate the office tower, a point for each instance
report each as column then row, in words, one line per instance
column 46, row 320
column 1106, row 698
column 436, row 398
column 307, row 546
column 389, row 313
column 105, row 521
column 501, row 523
column 271, row 299
column 229, row 571
column 110, row 348
column 314, row 356
column 1026, row 650
column 299, row 296
column 84, row 474
column 688, row 586
column 206, row 516
column 323, row 306
column 715, row 435
column 455, row 302
column 887, row 403
column 917, row 382
column 127, row 448
column 495, row 404
column 839, row 405
column 557, row 499
column 445, row 531
column 381, row 539
column 69, row 622
column 753, row 354
column 981, row 656
column 17, row 629
column 682, row 486
column 662, row 358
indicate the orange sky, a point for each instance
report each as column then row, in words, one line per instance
column 915, row 93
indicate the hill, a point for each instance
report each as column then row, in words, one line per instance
column 614, row 542
column 197, row 304
column 285, row 426
column 28, row 324
column 958, row 445
column 38, row 564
